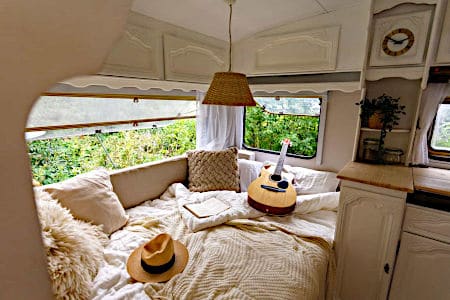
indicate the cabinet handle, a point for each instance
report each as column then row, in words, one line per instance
column 386, row 268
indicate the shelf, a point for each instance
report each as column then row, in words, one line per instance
column 377, row 73
column 397, row 130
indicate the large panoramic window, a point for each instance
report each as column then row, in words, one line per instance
column 70, row 135
column 277, row 118
column 439, row 145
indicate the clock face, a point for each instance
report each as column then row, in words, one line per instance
column 398, row 42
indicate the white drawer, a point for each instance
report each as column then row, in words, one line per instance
column 427, row 222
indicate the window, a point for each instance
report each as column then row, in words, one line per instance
column 439, row 144
column 276, row 118
column 72, row 134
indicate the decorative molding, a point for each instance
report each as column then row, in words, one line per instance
column 191, row 60
column 417, row 23
column 443, row 52
column 410, row 73
column 309, row 50
column 137, row 54
column 141, row 84
column 381, row 5
column 316, row 87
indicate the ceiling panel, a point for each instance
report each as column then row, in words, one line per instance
column 331, row 5
column 210, row 17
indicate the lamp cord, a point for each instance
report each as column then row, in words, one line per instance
column 229, row 37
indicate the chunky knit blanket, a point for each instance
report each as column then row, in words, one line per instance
column 266, row 257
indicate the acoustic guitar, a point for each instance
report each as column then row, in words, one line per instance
column 272, row 192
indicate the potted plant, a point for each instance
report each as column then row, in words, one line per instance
column 368, row 107
column 382, row 113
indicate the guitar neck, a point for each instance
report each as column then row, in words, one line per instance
column 280, row 163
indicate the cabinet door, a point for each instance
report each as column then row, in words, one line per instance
column 137, row 54
column 366, row 241
column 309, row 50
column 443, row 53
column 422, row 270
column 192, row 60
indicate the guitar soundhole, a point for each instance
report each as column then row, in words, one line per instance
column 275, row 177
column 283, row 184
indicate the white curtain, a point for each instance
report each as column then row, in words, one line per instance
column 432, row 96
column 218, row 126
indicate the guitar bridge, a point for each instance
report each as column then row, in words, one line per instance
column 272, row 188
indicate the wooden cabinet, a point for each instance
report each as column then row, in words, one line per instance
column 309, row 50
column 443, row 52
column 138, row 53
column 422, row 270
column 153, row 49
column 367, row 233
column 192, row 60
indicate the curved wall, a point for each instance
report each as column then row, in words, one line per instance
column 42, row 42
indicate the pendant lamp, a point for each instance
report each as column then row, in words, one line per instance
column 229, row 88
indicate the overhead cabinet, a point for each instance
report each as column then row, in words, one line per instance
column 138, row 54
column 192, row 60
column 155, row 50
column 443, row 53
column 310, row 50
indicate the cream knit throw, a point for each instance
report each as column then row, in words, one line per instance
column 263, row 258
column 213, row 170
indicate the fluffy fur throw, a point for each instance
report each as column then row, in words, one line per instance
column 74, row 249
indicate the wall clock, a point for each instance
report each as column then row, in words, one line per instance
column 400, row 39
column 398, row 42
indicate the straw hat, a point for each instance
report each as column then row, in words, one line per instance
column 157, row 260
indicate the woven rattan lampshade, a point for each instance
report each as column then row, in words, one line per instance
column 229, row 88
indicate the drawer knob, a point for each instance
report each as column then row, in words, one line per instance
column 386, row 268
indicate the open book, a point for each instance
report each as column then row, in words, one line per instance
column 210, row 207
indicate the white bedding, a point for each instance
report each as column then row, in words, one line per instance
column 265, row 257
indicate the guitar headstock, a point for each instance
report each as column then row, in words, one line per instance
column 286, row 141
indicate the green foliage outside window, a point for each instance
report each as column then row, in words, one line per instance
column 54, row 160
column 441, row 133
column 265, row 130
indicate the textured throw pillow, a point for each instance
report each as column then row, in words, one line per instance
column 74, row 249
column 213, row 170
column 90, row 198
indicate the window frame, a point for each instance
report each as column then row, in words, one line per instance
column 321, row 131
column 134, row 122
column 437, row 155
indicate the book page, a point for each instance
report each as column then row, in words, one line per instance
column 210, row 207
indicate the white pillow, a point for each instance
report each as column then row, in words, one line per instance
column 310, row 181
column 90, row 198
column 323, row 201
column 248, row 171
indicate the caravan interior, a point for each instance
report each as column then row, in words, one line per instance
column 371, row 201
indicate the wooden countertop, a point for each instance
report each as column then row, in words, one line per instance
column 432, row 180
column 388, row 176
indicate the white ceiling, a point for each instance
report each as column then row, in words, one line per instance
column 210, row 17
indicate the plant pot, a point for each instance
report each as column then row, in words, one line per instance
column 375, row 121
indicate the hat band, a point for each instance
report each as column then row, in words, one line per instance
column 158, row 269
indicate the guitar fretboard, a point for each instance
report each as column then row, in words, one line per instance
column 280, row 163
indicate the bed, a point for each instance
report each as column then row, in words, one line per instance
column 241, row 253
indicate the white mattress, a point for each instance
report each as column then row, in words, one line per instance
column 266, row 257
